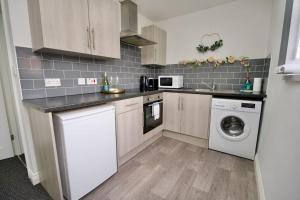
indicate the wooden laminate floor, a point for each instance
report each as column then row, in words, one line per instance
column 169, row 169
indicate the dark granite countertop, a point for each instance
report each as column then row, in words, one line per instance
column 63, row 103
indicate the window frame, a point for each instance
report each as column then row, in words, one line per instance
column 293, row 48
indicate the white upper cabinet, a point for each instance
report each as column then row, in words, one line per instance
column 154, row 54
column 105, row 28
column 89, row 27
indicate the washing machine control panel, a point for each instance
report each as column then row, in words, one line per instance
column 248, row 105
column 236, row 105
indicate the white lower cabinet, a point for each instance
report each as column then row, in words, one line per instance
column 172, row 112
column 130, row 130
column 76, row 27
column 187, row 114
column 129, row 124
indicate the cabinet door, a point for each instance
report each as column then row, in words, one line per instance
column 195, row 115
column 60, row 25
column 148, row 52
column 154, row 54
column 160, row 50
column 172, row 111
column 105, row 27
column 129, row 130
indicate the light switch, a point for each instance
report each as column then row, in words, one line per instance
column 81, row 81
column 52, row 82
column 91, row 81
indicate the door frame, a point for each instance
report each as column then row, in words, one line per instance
column 21, row 113
column 8, row 94
column 8, row 148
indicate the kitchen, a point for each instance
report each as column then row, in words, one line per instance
column 151, row 100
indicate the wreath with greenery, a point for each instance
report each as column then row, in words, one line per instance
column 216, row 62
column 216, row 45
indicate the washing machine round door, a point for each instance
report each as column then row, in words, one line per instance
column 233, row 126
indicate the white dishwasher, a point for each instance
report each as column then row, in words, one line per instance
column 86, row 145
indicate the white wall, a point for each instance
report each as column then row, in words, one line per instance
column 20, row 23
column 278, row 150
column 244, row 26
column 143, row 21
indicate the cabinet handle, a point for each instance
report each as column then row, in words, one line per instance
column 93, row 35
column 155, row 55
column 155, row 102
column 132, row 104
column 179, row 103
column 88, row 37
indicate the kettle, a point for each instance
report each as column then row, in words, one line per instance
column 144, row 83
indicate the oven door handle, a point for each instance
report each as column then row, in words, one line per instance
column 155, row 103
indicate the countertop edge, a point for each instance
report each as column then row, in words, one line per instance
column 61, row 108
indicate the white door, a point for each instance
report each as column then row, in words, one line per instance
column 6, row 149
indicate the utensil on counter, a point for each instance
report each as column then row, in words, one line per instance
column 114, row 91
column 257, row 84
column 144, row 83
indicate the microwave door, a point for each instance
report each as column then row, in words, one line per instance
column 166, row 82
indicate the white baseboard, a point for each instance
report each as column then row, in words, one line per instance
column 34, row 177
column 259, row 181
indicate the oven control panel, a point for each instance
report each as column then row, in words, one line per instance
column 153, row 97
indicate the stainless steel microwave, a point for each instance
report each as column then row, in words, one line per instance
column 170, row 81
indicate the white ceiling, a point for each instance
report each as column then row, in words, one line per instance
column 157, row 10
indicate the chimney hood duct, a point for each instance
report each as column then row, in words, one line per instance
column 129, row 25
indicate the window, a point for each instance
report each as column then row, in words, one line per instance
column 298, row 45
column 293, row 47
column 289, row 56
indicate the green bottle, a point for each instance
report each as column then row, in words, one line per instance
column 247, row 86
column 105, row 83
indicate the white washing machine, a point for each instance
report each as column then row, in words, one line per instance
column 234, row 126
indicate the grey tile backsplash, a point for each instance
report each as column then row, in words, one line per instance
column 35, row 67
column 227, row 77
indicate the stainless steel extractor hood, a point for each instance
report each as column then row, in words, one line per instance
column 129, row 25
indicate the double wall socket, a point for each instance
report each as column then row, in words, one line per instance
column 52, row 82
column 55, row 82
column 81, row 81
column 88, row 81
column 91, row 81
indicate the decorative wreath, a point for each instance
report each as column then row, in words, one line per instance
column 216, row 62
column 217, row 44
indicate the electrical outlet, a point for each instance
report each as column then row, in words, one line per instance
column 91, row 81
column 52, row 82
column 81, row 81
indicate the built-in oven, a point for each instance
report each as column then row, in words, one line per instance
column 153, row 112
